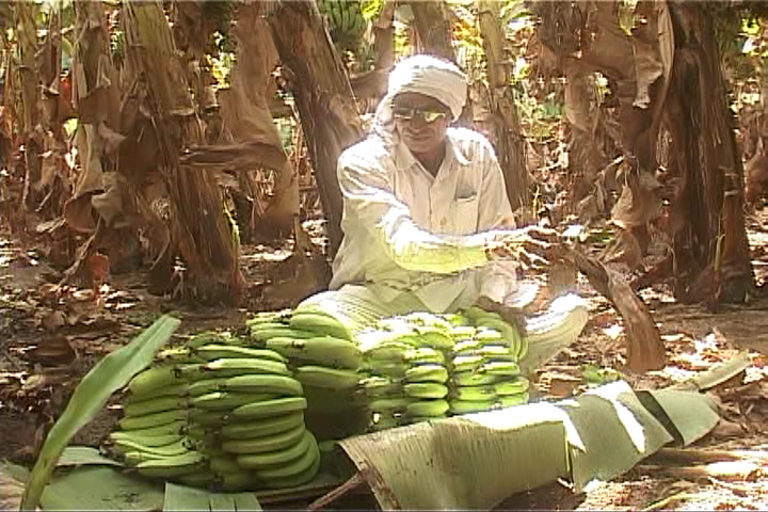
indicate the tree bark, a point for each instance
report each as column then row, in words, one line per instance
column 319, row 83
column 433, row 28
column 510, row 146
column 201, row 232
column 711, row 251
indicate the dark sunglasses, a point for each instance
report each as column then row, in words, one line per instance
column 428, row 115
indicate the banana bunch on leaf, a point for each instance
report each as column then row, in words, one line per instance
column 216, row 413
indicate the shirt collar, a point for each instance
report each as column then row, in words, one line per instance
column 404, row 159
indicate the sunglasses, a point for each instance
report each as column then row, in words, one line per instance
column 428, row 115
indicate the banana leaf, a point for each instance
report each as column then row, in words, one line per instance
column 109, row 375
column 180, row 497
column 478, row 460
column 100, row 488
column 83, row 455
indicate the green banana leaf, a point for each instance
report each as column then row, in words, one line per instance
column 180, row 497
column 476, row 461
column 84, row 455
column 108, row 376
column 101, row 488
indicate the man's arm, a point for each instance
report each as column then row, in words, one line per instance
column 369, row 194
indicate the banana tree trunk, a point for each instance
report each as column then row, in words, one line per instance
column 200, row 229
column 434, row 28
column 320, row 86
column 510, row 146
column 712, row 260
column 29, row 82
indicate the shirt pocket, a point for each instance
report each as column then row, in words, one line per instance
column 465, row 214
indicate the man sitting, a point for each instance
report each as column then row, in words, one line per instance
column 425, row 205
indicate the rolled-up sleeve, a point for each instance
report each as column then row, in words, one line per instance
column 370, row 200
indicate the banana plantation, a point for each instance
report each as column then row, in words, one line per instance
column 171, row 208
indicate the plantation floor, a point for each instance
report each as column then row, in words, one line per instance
column 49, row 338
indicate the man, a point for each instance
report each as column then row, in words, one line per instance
column 423, row 202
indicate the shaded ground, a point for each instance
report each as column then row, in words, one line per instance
column 49, row 337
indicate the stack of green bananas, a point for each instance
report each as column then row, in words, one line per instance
column 217, row 414
column 345, row 18
column 484, row 367
column 406, row 359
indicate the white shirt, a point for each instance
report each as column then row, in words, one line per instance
column 400, row 222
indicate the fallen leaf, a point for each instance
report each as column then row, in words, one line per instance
column 54, row 321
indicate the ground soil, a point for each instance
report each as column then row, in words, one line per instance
column 49, row 339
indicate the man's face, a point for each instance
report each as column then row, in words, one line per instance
column 422, row 121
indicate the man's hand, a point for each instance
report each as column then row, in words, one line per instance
column 533, row 246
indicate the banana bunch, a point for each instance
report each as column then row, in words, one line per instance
column 345, row 19
column 485, row 374
column 214, row 414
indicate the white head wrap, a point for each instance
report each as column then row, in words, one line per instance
column 423, row 74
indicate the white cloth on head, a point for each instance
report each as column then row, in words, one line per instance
column 423, row 74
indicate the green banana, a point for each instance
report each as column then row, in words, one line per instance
column 467, row 346
column 428, row 408
column 169, row 467
column 156, row 377
column 513, row 400
column 391, row 370
column 152, row 420
column 177, row 447
column 516, row 386
column 211, row 352
column 474, row 393
column 297, row 480
column 153, row 405
column 296, row 465
column 134, row 458
column 227, row 400
column 424, row 356
column 427, row 373
column 277, row 384
column 205, row 386
column 283, row 331
column 508, row 331
column 388, row 351
column 269, row 408
column 471, row 406
column 488, row 335
column 474, row 379
column 204, row 338
column 263, row 427
column 321, row 350
column 237, row 366
column 435, row 337
column 467, row 363
column 177, row 355
column 389, row 405
column 171, row 428
column 179, row 390
column 275, row 442
column 431, row 390
column 499, row 353
column 137, row 438
column 377, row 387
column 501, row 368
column 456, row 320
column 279, row 458
column 320, row 324
column 462, row 332
column 330, row 378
